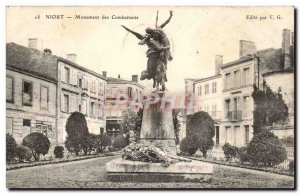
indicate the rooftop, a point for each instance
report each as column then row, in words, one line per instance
column 111, row 80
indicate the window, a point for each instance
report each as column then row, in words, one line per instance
column 228, row 133
column 227, row 81
column 26, row 122
column 73, row 103
column 246, row 106
column 84, row 107
column 206, row 88
column 199, row 90
column 246, row 76
column 247, row 134
column 44, row 97
column 129, row 92
column 27, row 93
column 93, row 86
column 92, row 109
column 100, row 111
column 217, row 135
column 65, row 103
column 80, row 80
column 227, row 108
column 214, row 111
column 214, row 87
column 67, row 74
column 9, row 89
column 237, row 78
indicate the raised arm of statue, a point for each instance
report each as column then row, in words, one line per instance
column 167, row 21
column 139, row 36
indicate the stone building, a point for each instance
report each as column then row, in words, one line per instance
column 43, row 90
column 31, row 90
column 82, row 90
column 237, row 79
column 120, row 94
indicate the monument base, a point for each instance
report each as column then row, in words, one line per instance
column 120, row 170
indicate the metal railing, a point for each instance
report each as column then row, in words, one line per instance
column 235, row 115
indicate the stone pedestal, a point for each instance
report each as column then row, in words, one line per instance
column 157, row 124
column 157, row 128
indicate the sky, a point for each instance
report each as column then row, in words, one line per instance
column 197, row 34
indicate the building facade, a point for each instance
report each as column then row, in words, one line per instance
column 235, row 87
column 31, row 84
column 81, row 90
column 120, row 94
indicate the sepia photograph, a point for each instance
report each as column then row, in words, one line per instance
column 157, row 97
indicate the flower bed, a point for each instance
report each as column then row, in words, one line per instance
column 53, row 161
column 247, row 166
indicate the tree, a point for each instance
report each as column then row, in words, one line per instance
column 11, row 145
column 131, row 121
column 94, row 141
column 266, row 149
column 77, row 133
column 38, row 143
column 177, row 124
column 23, row 153
column 120, row 141
column 200, row 131
column 105, row 141
column 269, row 108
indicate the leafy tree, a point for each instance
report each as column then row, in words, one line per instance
column 200, row 131
column 131, row 121
column 177, row 123
column 11, row 145
column 59, row 151
column 269, row 108
column 23, row 153
column 77, row 133
column 105, row 141
column 120, row 141
column 266, row 149
column 94, row 141
column 38, row 143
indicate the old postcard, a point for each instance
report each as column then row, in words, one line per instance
column 150, row 97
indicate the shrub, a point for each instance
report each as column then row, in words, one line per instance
column 120, row 141
column 266, row 149
column 105, row 141
column 229, row 151
column 59, row 151
column 186, row 147
column 291, row 165
column 11, row 145
column 242, row 154
column 38, row 143
column 289, row 141
column 23, row 153
column 200, row 131
column 78, row 133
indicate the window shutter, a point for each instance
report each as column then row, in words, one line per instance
column 75, row 77
column 62, row 103
column 62, row 73
column 73, row 102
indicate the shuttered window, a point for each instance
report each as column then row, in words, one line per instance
column 44, row 97
column 9, row 89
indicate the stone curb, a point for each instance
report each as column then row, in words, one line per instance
column 243, row 167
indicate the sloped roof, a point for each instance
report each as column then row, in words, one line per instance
column 31, row 61
column 122, row 81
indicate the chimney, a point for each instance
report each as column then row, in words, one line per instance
column 104, row 73
column 286, row 39
column 247, row 48
column 33, row 43
column 72, row 57
column 218, row 63
column 119, row 77
column 135, row 78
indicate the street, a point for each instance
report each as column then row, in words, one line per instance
column 90, row 173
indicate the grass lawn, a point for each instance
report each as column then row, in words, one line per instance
column 91, row 174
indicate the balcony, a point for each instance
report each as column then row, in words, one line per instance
column 235, row 115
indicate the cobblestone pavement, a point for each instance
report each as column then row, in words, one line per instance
column 91, row 174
